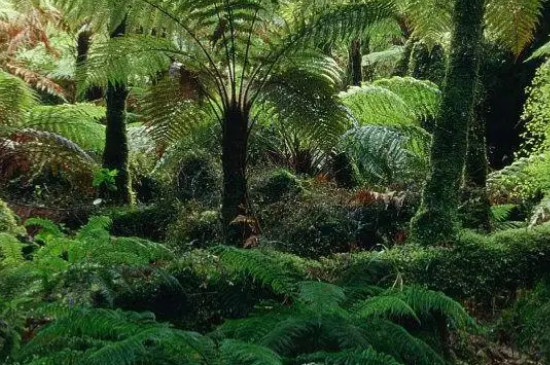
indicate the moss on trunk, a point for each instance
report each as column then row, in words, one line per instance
column 476, row 207
column 402, row 66
column 427, row 64
column 115, row 154
column 437, row 218
column 234, row 157
column 355, row 70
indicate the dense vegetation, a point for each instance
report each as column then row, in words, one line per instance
column 274, row 182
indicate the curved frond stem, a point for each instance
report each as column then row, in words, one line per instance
column 227, row 54
column 246, row 60
column 234, row 50
column 219, row 79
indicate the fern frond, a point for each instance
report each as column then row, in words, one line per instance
column 385, row 306
column 403, row 346
column 425, row 302
column 117, row 59
column 303, row 98
column 11, row 250
column 349, row 357
column 237, row 352
column 15, row 99
column 430, row 19
column 513, row 22
column 267, row 268
column 171, row 115
column 542, row 51
column 384, row 155
column 320, row 297
column 79, row 123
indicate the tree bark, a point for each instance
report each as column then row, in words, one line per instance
column 402, row 66
column 355, row 69
column 234, row 158
column 83, row 43
column 476, row 211
column 115, row 154
column 426, row 64
column 437, row 220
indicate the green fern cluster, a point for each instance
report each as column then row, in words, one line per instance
column 313, row 322
column 76, row 269
column 390, row 143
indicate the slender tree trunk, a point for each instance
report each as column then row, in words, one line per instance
column 234, row 158
column 83, row 42
column 426, row 64
column 115, row 154
column 476, row 211
column 437, row 218
column 355, row 69
column 402, row 66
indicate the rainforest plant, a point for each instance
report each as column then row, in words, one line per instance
column 436, row 220
column 231, row 63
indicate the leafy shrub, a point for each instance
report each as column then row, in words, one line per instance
column 309, row 229
column 197, row 177
column 326, row 220
column 487, row 270
column 8, row 222
column 308, row 321
column 145, row 221
column 195, row 227
column 527, row 321
column 276, row 186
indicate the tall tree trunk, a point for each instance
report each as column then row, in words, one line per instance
column 402, row 66
column 115, row 154
column 355, row 69
column 234, row 158
column 476, row 210
column 437, row 218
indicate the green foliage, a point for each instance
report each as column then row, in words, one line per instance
column 536, row 113
column 487, row 270
column 105, row 178
column 278, row 185
column 526, row 321
column 195, row 227
column 311, row 228
column 510, row 22
column 426, row 64
column 322, row 318
column 76, row 122
column 145, row 221
column 8, row 221
column 17, row 99
column 99, row 336
column 390, row 147
column 197, row 177
column 385, row 156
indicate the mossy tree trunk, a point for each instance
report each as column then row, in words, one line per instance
column 115, row 154
column 476, row 208
column 402, row 66
column 234, row 158
column 355, row 68
column 427, row 64
column 83, row 44
column 437, row 218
